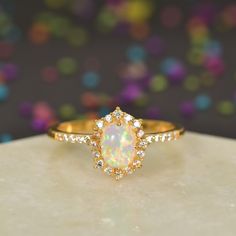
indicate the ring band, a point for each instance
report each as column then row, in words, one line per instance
column 118, row 140
column 80, row 131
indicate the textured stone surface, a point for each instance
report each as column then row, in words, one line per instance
column 187, row 187
column 118, row 145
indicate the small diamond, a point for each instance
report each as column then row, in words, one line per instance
column 129, row 170
column 59, row 137
column 108, row 170
column 128, row 117
column 170, row 136
column 79, row 139
column 137, row 163
column 143, row 144
column 140, row 133
column 66, row 137
column 137, row 124
column 118, row 175
column 99, row 124
column 99, row 164
column 117, row 113
column 96, row 154
column 72, row 138
column 108, row 118
column 141, row 153
column 163, row 137
column 149, row 139
column 93, row 143
column 82, row 139
column 157, row 138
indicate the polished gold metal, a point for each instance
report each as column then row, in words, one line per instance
column 85, row 128
column 90, row 132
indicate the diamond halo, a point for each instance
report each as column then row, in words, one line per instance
column 117, row 148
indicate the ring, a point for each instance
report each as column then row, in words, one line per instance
column 118, row 141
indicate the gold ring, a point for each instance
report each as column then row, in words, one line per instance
column 118, row 140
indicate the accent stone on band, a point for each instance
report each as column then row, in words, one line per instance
column 72, row 138
column 163, row 137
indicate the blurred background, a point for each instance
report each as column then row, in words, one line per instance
column 69, row 59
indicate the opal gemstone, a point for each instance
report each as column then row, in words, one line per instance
column 118, row 145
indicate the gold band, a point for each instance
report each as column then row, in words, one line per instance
column 80, row 131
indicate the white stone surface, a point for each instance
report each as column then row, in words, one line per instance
column 185, row 188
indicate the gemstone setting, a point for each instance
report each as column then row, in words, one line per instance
column 117, row 144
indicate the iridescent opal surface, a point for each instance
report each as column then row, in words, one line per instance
column 118, row 145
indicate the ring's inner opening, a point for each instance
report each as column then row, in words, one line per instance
column 86, row 126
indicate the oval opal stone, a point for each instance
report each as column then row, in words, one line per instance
column 118, row 145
